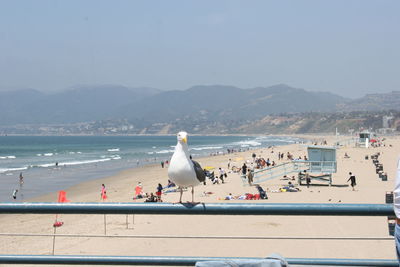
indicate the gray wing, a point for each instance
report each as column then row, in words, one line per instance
column 199, row 171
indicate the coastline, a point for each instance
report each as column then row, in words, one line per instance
column 73, row 170
column 222, row 159
column 120, row 188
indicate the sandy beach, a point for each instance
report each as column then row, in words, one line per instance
column 283, row 234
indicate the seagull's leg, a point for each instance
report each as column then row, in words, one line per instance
column 192, row 194
column 180, row 199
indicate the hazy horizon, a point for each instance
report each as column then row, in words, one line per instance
column 83, row 86
column 349, row 48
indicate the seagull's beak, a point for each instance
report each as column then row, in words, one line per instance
column 185, row 140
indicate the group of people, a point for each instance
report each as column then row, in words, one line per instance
column 150, row 197
column 164, row 163
column 215, row 178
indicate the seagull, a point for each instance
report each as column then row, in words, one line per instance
column 182, row 170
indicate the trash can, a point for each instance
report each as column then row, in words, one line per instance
column 389, row 197
column 391, row 226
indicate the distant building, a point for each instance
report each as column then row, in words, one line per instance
column 387, row 121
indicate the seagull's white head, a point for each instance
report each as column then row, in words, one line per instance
column 182, row 137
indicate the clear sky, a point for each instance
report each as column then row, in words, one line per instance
column 346, row 47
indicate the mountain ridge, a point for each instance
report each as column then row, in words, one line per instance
column 143, row 106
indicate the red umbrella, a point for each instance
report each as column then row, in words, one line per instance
column 373, row 141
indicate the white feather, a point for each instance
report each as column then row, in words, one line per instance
column 181, row 170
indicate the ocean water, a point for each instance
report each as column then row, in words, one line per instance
column 52, row 163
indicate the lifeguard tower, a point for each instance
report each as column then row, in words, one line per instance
column 321, row 164
column 364, row 138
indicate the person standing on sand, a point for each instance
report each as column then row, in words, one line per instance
column 396, row 207
column 353, row 180
column 308, row 179
column 21, row 179
column 159, row 192
column 244, row 169
column 103, row 194
column 250, row 176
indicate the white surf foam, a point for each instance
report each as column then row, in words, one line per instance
column 8, row 157
column 206, row 148
column 248, row 143
column 71, row 163
column 165, row 151
column 4, row 170
column 113, row 150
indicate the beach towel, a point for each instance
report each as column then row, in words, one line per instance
column 249, row 196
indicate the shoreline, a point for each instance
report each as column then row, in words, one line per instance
column 37, row 170
column 133, row 172
column 153, row 164
column 120, row 188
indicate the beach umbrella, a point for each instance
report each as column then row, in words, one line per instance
column 373, row 141
column 208, row 168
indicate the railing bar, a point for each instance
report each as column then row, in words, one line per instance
column 305, row 209
column 198, row 237
column 182, row 261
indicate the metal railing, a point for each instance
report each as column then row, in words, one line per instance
column 193, row 209
column 201, row 209
column 176, row 261
column 290, row 168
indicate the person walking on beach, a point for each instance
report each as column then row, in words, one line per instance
column 103, row 193
column 308, row 179
column 250, row 177
column 222, row 174
column 21, row 179
column 352, row 180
